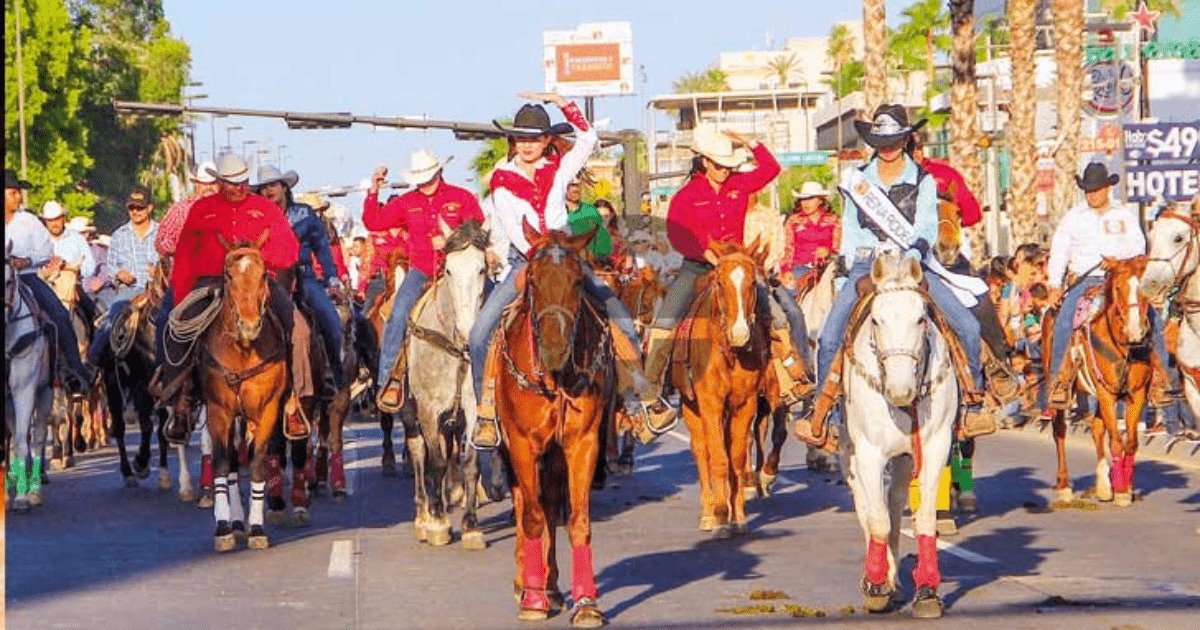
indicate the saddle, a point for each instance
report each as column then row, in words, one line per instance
column 807, row 282
column 127, row 321
column 188, row 322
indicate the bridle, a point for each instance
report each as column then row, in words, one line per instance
column 1193, row 242
column 232, row 258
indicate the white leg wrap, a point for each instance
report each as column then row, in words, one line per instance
column 220, row 499
column 185, row 475
column 236, row 511
column 258, row 491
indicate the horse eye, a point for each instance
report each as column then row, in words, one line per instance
column 1178, row 238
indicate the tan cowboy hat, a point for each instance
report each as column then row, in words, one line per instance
column 81, row 224
column 314, row 200
column 230, row 168
column 810, row 189
column 204, row 173
column 423, row 165
column 53, row 210
column 716, row 146
column 270, row 175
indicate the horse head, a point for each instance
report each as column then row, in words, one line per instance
column 1123, row 297
column 465, row 270
column 898, row 325
column 246, row 286
column 735, row 269
column 1174, row 244
column 554, row 290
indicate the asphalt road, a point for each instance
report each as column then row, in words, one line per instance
column 99, row 554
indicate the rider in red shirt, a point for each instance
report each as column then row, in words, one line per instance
column 813, row 232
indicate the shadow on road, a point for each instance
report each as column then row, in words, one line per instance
column 1016, row 545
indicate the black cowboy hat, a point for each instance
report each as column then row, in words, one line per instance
column 1096, row 176
column 11, row 181
column 888, row 127
column 532, row 120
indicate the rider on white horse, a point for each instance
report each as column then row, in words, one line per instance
column 32, row 248
column 912, row 194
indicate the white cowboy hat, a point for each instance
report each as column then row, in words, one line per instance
column 422, row 166
column 53, row 210
column 230, row 168
column 104, row 240
column 716, row 146
column 81, row 224
column 810, row 189
column 203, row 174
column 270, row 175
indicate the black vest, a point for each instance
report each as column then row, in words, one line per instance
column 905, row 198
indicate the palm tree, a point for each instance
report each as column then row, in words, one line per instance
column 1022, row 147
column 875, row 48
column 709, row 80
column 1068, row 59
column 847, row 73
column 493, row 152
column 964, row 109
column 781, row 68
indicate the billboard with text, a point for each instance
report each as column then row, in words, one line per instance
column 595, row 59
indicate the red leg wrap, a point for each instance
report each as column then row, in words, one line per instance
column 337, row 472
column 274, row 477
column 876, row 565
column 927, row 573
column 1116, row 474
column 322, row 465
column 1129, row 472
column 299, row 489
column 583, row 581
column 206, row 471
column 534, row 576
column 310, row 470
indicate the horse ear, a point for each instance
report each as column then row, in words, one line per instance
column 913, row 270
column 262, row 238
column 224, row 243
column 711, row 256
column 760, row 255
column 1108, row 264
column 531, row 234
column 754, row 245
column 444, row 227
column 880, row 269
column 580, row 242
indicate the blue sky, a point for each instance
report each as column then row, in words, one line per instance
column 448, row 60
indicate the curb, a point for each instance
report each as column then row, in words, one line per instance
column 1161, row 447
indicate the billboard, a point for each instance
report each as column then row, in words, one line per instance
column 595, row 59
column 1167, row 156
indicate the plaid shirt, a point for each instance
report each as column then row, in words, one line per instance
column 133, row 255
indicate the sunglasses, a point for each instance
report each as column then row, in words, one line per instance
column 137, row 208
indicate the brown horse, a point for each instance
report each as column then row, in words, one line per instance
column 554, row 383
column 721, row 367
column 245, row 381
column 377, row 315
column 1109, row 357
column 329, row 409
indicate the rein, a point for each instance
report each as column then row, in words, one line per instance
column 441, row 341
column 18, row 308
column 1194, row 226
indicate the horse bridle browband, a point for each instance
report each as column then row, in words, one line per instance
column 1186, row 250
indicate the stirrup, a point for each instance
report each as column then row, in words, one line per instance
column 479, row 424
column 382, row 400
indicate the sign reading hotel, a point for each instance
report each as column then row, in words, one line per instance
column 595, row 59
column 1168, row 156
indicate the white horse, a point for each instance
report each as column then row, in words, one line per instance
column 1174, row 257
column 28, row 393
column 439, row 377
column 816, row 305
column 901, row 399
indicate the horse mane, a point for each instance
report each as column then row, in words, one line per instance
column 468, row 234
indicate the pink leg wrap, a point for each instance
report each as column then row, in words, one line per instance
column 1129, row 459
column 337, row 472
column 534, row 576
column 877, row 563
column 299, row 489
column 206, row 471
column 274, row 477
column 583, row 582
column 926, row 573
column 1116, row 474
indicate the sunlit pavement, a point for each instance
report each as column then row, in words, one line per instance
column 100, row 554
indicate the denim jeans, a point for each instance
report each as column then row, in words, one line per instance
column 313, row 294
column 160, row 322
column 397, row 324
column 1062, row 323
column 784, row 303
column 68, row 343
column 506, row 292
column 959, row 317
column 100, row 338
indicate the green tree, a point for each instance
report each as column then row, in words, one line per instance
column 996, row 27
column 493, row 152
column 916, row 43
column 847, row 74
column 781, row 68
column 793, row 177
column 708, row 80
column 54, row 53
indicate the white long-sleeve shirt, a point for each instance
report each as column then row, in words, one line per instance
column 1084, row 237
column 29, row 239
column 74, row 249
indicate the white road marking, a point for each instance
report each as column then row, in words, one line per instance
column 341, row 558
column 679, row 436
column 955, row 550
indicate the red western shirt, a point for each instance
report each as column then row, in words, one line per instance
column 419, row 213
column 950, row 181
column 805, row 237
column 699, row 214
column 383, row 243
column 199, row 251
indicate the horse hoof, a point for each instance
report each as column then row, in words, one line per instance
column 224, row 543
column 339, row 496
column 625, row 469
column 276, row 517
column 389, row 470
column 164, row 483
column 1063, row 494
column 419, row 532
column 187, row 495
column 708, row 523
column 740, row 529
column 1123, row 499
column 533, row 614
column 947, row 527
column 437, row 535
column 35, row 499
column 1104, row 494
column 206, row 500
column 878, row 596
column 722, row 532
column 749, row 493
column 299, row 517
column 473, row 541
column 142, row 473
column 258, row 542
column 927, row 606
column 131, row 481
column 20, row 505
column 586, row 614
column 768, row 482
column 239, row 530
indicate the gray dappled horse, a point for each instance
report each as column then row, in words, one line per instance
column 27, row 390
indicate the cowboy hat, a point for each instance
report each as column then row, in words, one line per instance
column 53, row 210
column 532, row 120
column 270, row 175
column 810, row 189
column 104, row 240
column 203, row 174
column 314, row 200
column 12, row 181
column 81, row 224
column 716, row 146
column 888, row 127
column 422, row 166
column 1095, row 177
column 230, row 168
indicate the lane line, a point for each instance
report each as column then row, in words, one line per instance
column 341, row 558
column 955, row 550
column 679, row 436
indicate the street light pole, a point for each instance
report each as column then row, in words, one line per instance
column 229, row 133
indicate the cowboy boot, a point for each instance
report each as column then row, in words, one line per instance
column 486, row 435
column 660, row 415
column 1060, row 398
column 295, row 423
column 977, row 422
column 1001, row 381
column 795, row 386
column 812, row 430
column 391, row 397
column 337, row 474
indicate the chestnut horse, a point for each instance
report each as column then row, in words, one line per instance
column 245, row 381
column 553, row 385
column 377, row 315
column 721, row 365
column 1109, row 357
